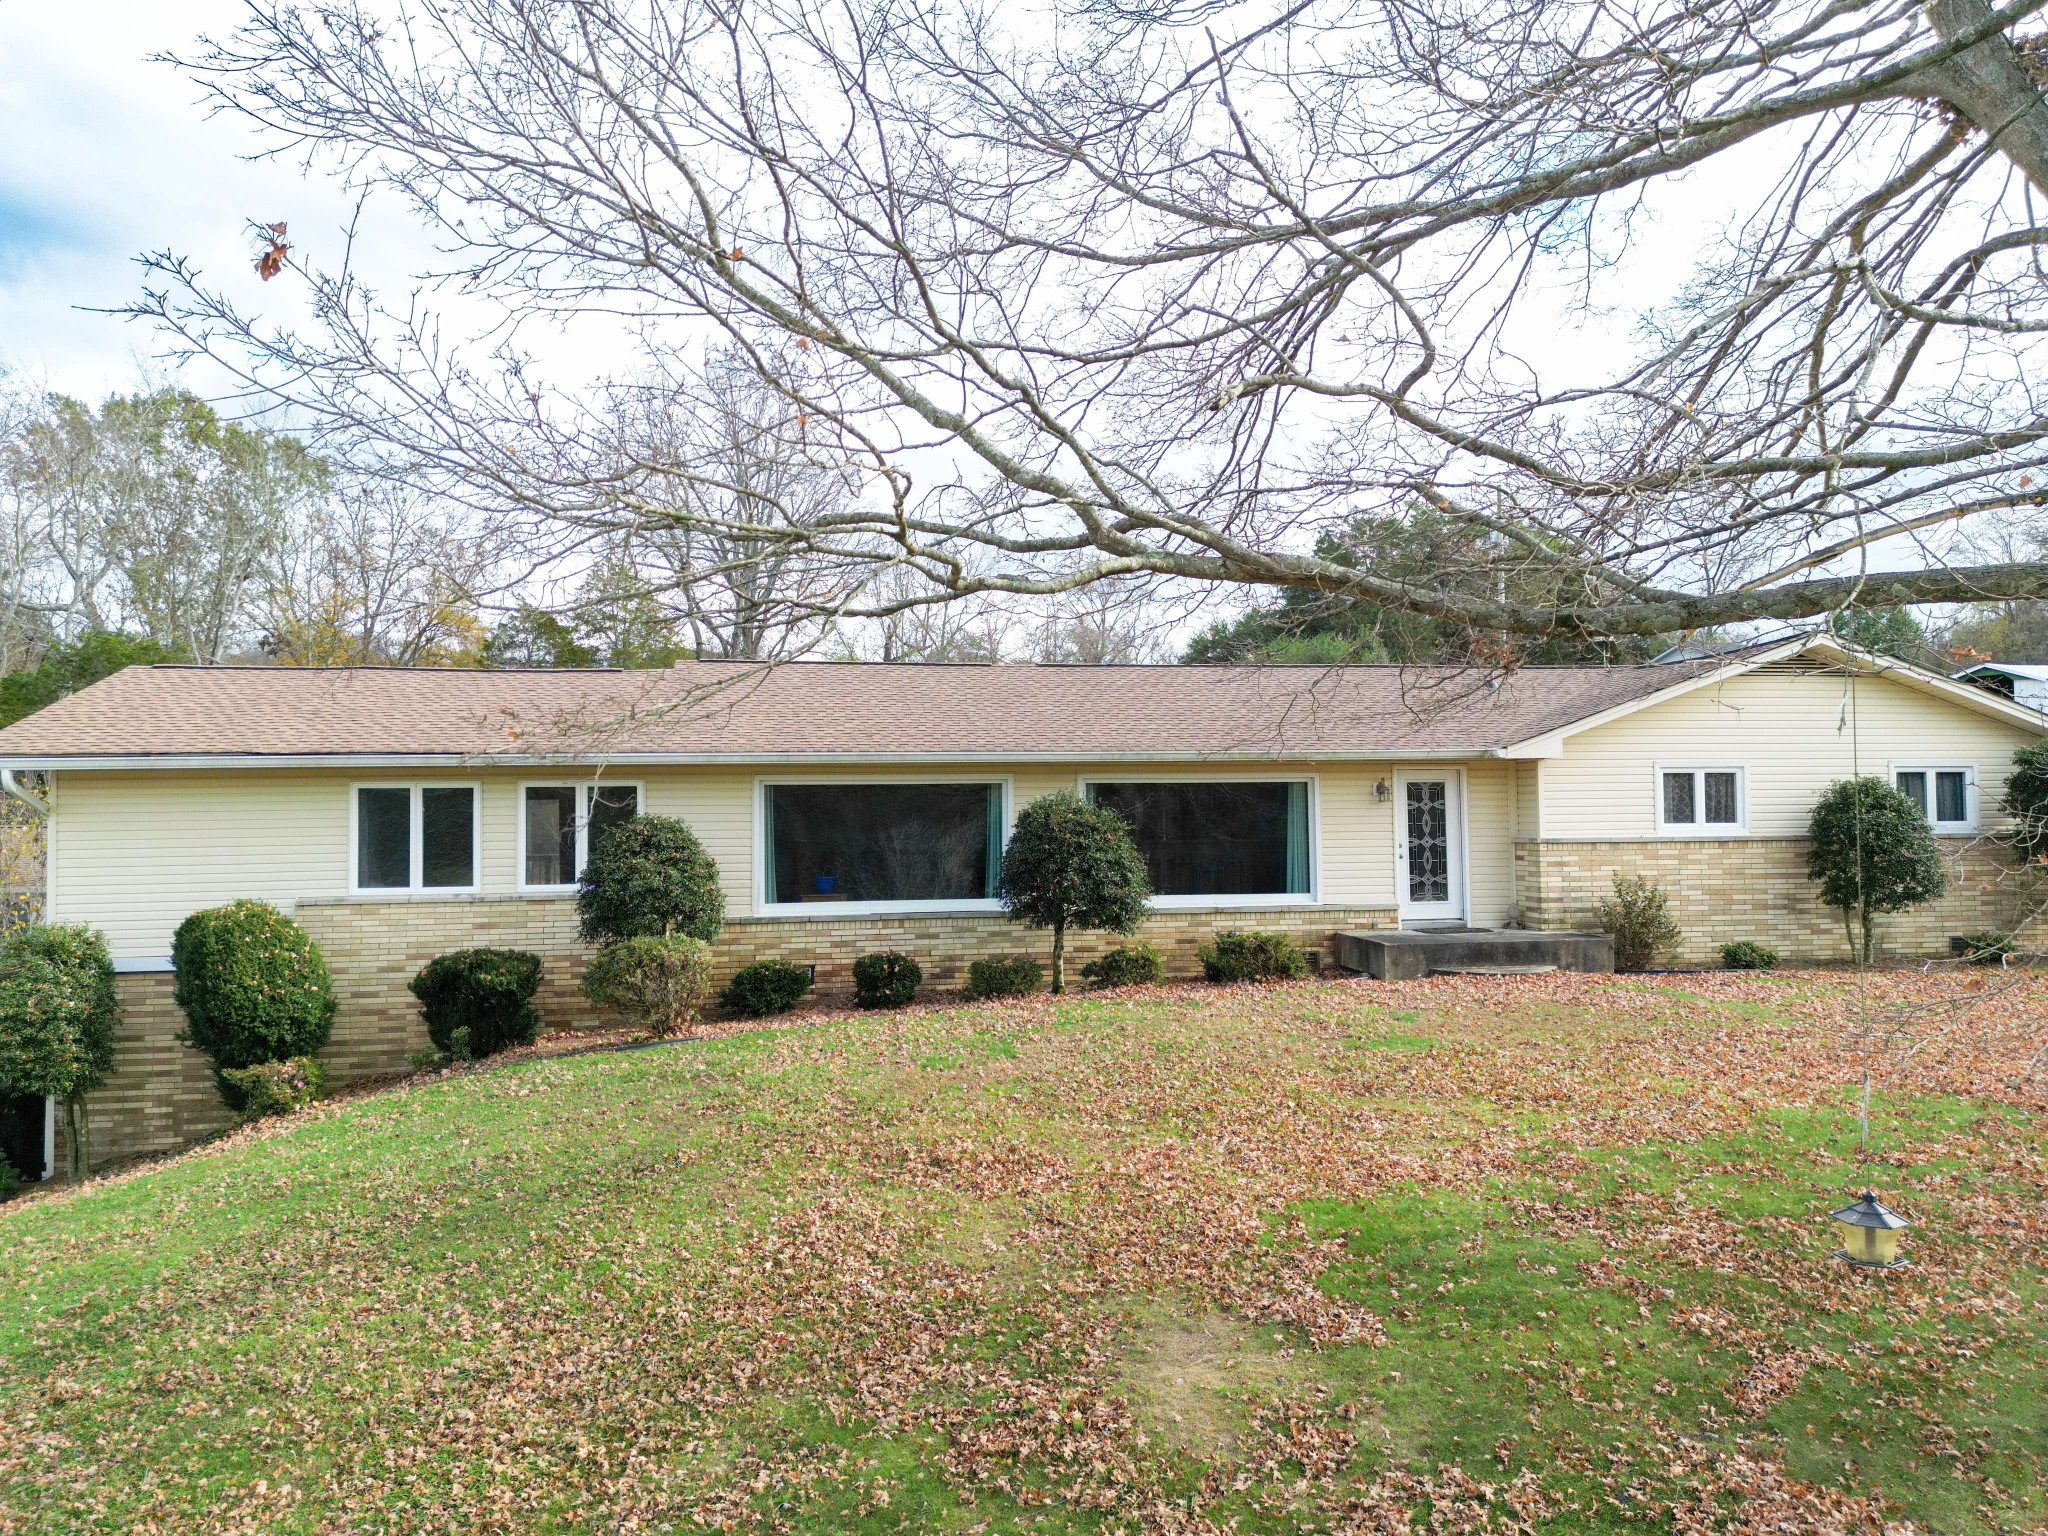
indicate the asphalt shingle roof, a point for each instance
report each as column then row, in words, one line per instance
column 816, row 709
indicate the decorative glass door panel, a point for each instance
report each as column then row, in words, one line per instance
column 1429, row 854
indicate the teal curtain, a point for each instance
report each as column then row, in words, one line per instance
column 1297, row 840
column 995, row 838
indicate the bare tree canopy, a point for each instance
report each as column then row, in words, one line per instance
column 1167, row 287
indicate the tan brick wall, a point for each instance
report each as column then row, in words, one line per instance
column 162, row 1096
column 1756, row 888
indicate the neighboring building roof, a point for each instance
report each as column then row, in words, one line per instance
column 2024, row 669
column 822, row 711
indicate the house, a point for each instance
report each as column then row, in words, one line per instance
column 2023, row 683
column 851, row 807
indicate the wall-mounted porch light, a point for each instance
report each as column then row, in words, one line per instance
column 1381, row 789
column 1870, row 1234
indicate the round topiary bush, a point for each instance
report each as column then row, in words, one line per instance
column 253, row 985
column 487, row 993
column 1235, row 956
column 1070, row 864
column 660, row 983
column 1749, row 955
column 765, row 987
column 1872, row 851
column 1015, row 977
column 650, row 876
column 886, row 980
column 1128, row 965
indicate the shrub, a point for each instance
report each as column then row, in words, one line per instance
column 1988, row 948
column 487, row 992
column 1003, row 978
column 1638, row 919
column 650, row 876
column 58, row 1013
column 765, row 987
column 886, row 980
column 1128, row 965
column 1872, row 852
column 2026, row 800
column 276, row 1087
column 253, row 985
column 10, row 1179
column 1235, row 956
column 660, row 983
column 1748, row 955
column 1072, row 865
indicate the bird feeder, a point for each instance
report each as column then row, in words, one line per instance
column 1871, row 1234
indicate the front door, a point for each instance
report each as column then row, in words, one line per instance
column 1429, row 845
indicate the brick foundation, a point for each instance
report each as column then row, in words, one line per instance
column 162, row 1096
column 1757, row 888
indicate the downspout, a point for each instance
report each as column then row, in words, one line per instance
column 14, row 787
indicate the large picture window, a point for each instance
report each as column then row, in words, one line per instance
column 1222, row 838
column 832, row 845
column 560, row 823
column 415, row 837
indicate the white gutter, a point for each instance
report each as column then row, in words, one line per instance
column 13, row 786
column 188, row 760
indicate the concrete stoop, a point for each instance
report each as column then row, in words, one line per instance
column 1408, row 954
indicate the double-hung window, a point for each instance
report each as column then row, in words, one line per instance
column 560, row 823
column 1945, row 793
column 1702, row 802
column 415, row 838
column 1220, row 840
column 826, row 848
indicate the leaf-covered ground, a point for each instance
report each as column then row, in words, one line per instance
column 1467, row 1255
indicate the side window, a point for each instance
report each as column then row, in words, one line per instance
column 560, row 823
column 1946, row 794
column 415, row 837
column 1701, row 801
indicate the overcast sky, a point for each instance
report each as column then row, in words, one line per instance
column 107, row 155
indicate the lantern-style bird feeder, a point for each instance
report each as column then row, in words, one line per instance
column 1871, row 1234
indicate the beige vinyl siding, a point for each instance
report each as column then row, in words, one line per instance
column 136, row 852
column 1490, row 861
column 1529, row 798
column 1793, row 735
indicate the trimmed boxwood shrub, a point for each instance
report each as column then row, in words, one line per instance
column 1989, row 947
column 1003, row 978
column 650, row 876
column 1128, row 965
column 487, row 993
column 658, row 982
column 1253, row 956
column 253, row 985
column 886, row 980
column 276, row 1087
column 1748, row 955
column 765, row 987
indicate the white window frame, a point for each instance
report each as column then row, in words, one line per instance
column 1234, row 903
column 415, row 891
column 1944, row 828
column 827, row 911
column 1737, row 828
column 585, row 790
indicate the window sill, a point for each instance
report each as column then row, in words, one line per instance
column 826, row 911
column 1231, row 903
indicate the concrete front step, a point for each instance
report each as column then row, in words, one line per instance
column 1408, row 954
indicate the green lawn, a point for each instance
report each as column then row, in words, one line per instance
column 1467, row 1255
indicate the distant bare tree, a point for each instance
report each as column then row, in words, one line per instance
column 1103, row 289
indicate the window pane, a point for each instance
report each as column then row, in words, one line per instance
column 1721, row 809
column 447, row 837
column 610, row 806
column 1914, row 787
column 383, row 839
column 550, row 835
column 882, row 842
column 1217, row 839
column 1951, row 797
column 1678, row 806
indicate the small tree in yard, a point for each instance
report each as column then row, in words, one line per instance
column 1872, row 852
column 58, row 1011
column 648, row 877
column 2026, row 801
column 1073, row 865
